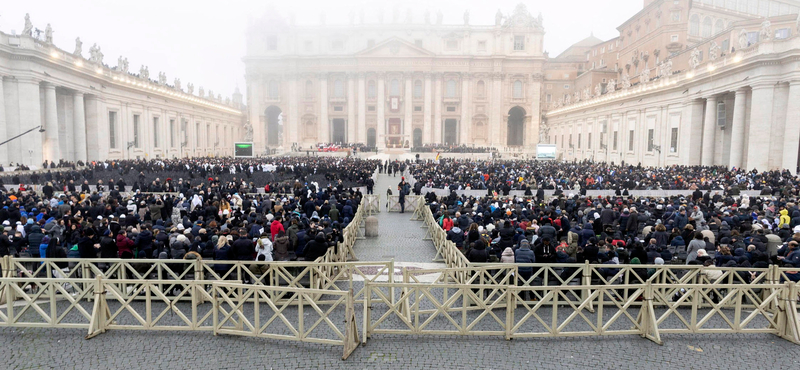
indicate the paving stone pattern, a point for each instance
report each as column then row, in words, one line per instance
column 399, row 237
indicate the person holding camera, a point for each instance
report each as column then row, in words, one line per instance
column 792, row 259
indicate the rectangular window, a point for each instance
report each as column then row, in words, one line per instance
column 451, row 109
column 172, row 133
column 418, row 43
column 197, row 135
column 673, row 140
column 549, row 98
column 338, row 108
column 155, row 132
column 589, row 141
column 782, row 33
column 579, row 141
column 674, row 38
column 615, row 140
column 752, row 38
column 136, row 130
column 570, row 140
column 650, row 138
column 519, row 42
column 451, row 45
column 481, row 45
column 371, row 108
column 630, row 140
column 337, row 45
column 417, row 108
column 112, row 130
column 566, row 87
column 272, row 43
column 721, row 114
column 726, row 45
column 208, row 135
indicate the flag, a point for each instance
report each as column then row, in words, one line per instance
column 437, row 155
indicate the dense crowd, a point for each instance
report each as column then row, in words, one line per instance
column 441, row 148
column 527, row 175
column 705, row 228
column 204, row 218
column 277, row 174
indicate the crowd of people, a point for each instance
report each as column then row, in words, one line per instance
column 502, row 176
column 216, row 217
column 705, row 228
column 277, row 174
column 442, row 148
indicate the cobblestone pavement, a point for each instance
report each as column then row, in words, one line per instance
column 399, row 237
column 66, row 349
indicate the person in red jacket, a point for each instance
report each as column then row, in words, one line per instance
column 124, row 245
column 276, row 227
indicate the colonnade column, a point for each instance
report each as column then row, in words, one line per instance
column 51, row 148
column 351, row 108
column 760, row 126
column 95, row 141
column 437, row 109
column 79, row 126
column 791, row 134
column 466, row 123
column 290, row 136
column 362, row 109
column 737, row 128
column 3, row 127
column 380, row 139
column 692, row 127
column 323, row 134
column 707, row 156
column 495, row 120
column 426, row 111
column 408, row 108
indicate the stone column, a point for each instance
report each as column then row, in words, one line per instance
column 437, row 109
column 408, row 108
column 323, row 134
column 96, row 142
column 291, row 128
column 692, row 130
column 351, row 108
column 79, row 126
column 532, row 130
column 760, row 126
column 362, row 108
column 380, row 133
column 465, row 132
column 426, row 111
column 3, row 128
column 51, row 148
column 495, row 118
column 709, row 123
column 791, row 135
column 737, row 128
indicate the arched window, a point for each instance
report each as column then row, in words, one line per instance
column 309, row 89
column 517, row 92
column 707, row 27
column 338, row 88
column 418, row 89
column 450, row 91
column 719, row 26
column 694, row 25
column 481, row 88
column 274, row 89
column 394, row 88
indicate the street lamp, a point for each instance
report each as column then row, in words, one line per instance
column 131, row 144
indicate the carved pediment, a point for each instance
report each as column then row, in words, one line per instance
column 395, row 47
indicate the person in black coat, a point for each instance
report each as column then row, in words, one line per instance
column 316, row 248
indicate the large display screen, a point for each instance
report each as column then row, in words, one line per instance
column 243, row 150
column 546, row 151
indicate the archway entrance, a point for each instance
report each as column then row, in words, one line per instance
column 338, row 135
column 450, row 131
column 274, row 125
column 371, row 138
column 516, row 127
column 417, row 138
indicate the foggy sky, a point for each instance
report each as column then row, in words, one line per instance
column 202, row 42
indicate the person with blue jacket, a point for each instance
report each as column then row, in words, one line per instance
column 792, row 259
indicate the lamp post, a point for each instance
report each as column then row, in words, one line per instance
column 131, row 144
